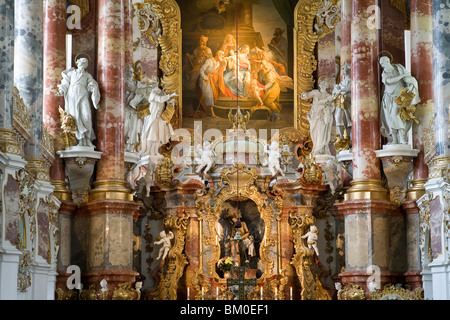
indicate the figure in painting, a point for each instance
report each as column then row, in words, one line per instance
column 342, row 99
column 156, row 131
column 281, row 44
column 197, row 58
column 235, row 75
column 397, row 82
column 229, row 45
column 320, row 117
column 80, row 91
column 209, row 80
column 271, row 98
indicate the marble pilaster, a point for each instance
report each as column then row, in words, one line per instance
column 110, row 207
column 441, row 84
column 6, row 62
column 28, row 67
column 55, row 63
column 422, row 70
column 373, row 225
column 346, row 33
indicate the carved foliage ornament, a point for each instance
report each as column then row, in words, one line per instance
column 313, row 19
column 176, row 261
column 170, row 43
column 211, row 204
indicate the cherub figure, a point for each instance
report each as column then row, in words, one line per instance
column 312, row 239
column 274, row 158
column 254, row 90
column 165, row 241
column 206, row 159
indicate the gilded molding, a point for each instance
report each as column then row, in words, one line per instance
column 210, row 206
column 175, row 262
column 21, row 116
column 390, row 292
column 305, row 41
column 10, row 142
column 170, row 62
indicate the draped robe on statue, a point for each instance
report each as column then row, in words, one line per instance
column 390, row 115
column 156, row 131
column 78, row 87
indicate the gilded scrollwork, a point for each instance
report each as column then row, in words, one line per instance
column 176, row 260
column 169, row 41
column 307, row 14
column 424, row 216
column 391, row 292
column 303, row 258
column 210, row 205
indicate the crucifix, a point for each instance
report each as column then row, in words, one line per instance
column 241, row 282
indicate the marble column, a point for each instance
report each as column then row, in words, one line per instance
column 55, row 64
column 346, row 33
column 373, row 225
column 435, row 202
column 6, row 63
column 28, row 63
column 392, row 33
column 422, row 70
column 441, row 84
column 110, row 207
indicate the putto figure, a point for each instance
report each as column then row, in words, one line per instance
column 165, row 241
column 80, row 92
column 311, row 239
column 274, row 158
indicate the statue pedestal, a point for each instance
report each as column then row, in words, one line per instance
column 397, row 161
column 79, row 163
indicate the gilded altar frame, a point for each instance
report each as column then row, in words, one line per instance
column 305, row 62
column 209, row 208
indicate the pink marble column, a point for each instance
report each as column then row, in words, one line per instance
column 128, row 32
column 365, row 107
column 346, row 33
column 110, row 208
column 392, row 33
column 110, row 72
column 55, row 63
column 373, row 225
column 422, row 70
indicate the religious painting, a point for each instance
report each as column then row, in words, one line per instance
column 241, row 221
column 235, row 54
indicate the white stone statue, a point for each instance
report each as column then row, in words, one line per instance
column 206, row 157
column 135, row 94
column 104, row 285
column 372, row 286
column 80, row 91
column 156, row 131
column 274, row 158
column 165, row 241
column 343, row 112
column 149, row 177
column 320, row 117
column 395, row 77
column 311, row 239
column 338, row 286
